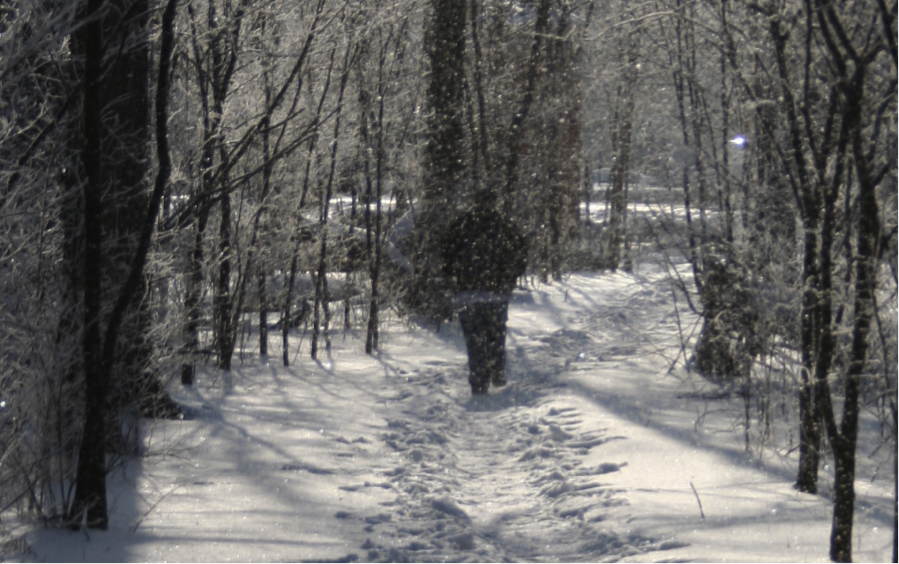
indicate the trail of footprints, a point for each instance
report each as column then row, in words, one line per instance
column 490, row 479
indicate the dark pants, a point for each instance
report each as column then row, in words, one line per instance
column 484, row 326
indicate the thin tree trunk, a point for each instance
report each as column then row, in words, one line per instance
column 321, row 282
column 263, row 315
column 888, row 17
column 371, row 335
column 678, row 65
column 483, row 143
column 300, row 238
column 266, row 185
column 222, row 302
column 225, row 314
column 810, row 209
column 622, row 148
column 844, row 443
column 286, row 317
column 371, row 339
column 895, row 485
column 214, row 84
column 725, row 135
column 192, row 303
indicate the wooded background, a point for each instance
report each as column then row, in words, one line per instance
column 178, row 177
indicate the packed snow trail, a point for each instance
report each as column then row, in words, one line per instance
column 593, row 452
column 497, row 478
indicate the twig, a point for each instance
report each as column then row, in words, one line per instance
column 680, row 331
column 701, row 514
column 133, row 528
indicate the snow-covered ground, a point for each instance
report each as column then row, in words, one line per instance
column 593, row 452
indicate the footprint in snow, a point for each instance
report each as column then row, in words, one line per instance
column 522, row 448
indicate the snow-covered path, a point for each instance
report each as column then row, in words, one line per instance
column 503, row 476
column 591, row 453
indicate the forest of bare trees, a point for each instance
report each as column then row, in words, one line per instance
column 178, row 177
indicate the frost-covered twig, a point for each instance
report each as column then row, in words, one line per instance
column 133, row 528
column 701, row 514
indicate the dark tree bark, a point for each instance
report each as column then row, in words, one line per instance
column 514, row 149
column 888, row 19
column 126, row 164
column 371, row 339
column 374, row 242
column 259, row 221
column 809, row 203
column 215, row 67
column 224, row 51
column 678, row 65
column 260, row 218
column 728, row 341
column 263, row 315
column 115, row 124
column 845, row 127
column 621, row 143
column 553, row 150
column 445, row 46
column 89, row 507
column 444, row 151
column 193, row 291
column 372, row 133
column 301, row 234
column 222, row 303
column 322, row 297
column 844, row 441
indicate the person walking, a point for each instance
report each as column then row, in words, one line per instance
column 484, row 254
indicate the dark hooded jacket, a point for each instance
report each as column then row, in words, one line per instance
column 484, row 252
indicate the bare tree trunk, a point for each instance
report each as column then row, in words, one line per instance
column 266, row 186
column 371, row 338
column 89, row 505
column 287, row 315
column 214, row 83
column 444, row 152
column 300, row 234
column 678, row 65
column 621, row 141
column 193, row 292
column 263, row 315
column 321, row 282
column 222, row 302
column 374, row 187
column 513, row 152
column 481, row 156
column 895, row 484
column 844, row 442
column 810, row 206
column 889, row 22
